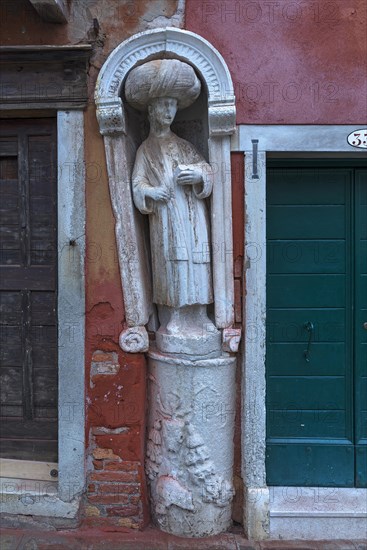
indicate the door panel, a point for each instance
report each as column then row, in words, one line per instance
column 306, row 291
column 309, row 393
column 295, row 363
column 287, row 325
column 317, row 222
column 315, row 423
column 316, row 272
column 306, row 464
column 28, row 356
column 302, row 256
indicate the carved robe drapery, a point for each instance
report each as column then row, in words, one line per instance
column 179, row 228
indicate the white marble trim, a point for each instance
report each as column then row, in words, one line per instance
column 303, row 138
column 71, row 303
column 316, row 513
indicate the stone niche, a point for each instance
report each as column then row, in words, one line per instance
column 165, row 107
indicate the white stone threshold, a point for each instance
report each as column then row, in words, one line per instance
column 317, row 513
column 34, row 497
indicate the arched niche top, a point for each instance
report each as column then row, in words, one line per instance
column 170, row 43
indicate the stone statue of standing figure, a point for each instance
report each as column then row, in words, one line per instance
column 170, row 183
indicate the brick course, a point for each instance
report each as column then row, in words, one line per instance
column 124, row 477
column 114, row 490
column 108, row 499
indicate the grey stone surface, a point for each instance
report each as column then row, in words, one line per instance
column 71, row 304
column 318, row 513
column 253, row 385
column 300, row 138
column 55, row 11
column 190, row 443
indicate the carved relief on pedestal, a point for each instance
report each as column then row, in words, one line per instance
column 190, row 443
column 179, row 463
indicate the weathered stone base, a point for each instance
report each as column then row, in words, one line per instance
column 190, row 444
column 256, row 512
column 316, row 513
column 206, row 344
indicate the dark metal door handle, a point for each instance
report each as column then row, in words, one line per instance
column 310, row 328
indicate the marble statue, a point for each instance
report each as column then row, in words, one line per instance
column 170, row 183
column 187, row 202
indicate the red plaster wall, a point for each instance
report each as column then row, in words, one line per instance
column 292, row 62
column 115, row 428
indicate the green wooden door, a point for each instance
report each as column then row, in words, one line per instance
column 316, row 357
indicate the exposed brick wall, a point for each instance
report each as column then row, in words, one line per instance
column 115, row 381
column 114, row 491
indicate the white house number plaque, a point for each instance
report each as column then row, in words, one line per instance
column 358, row 138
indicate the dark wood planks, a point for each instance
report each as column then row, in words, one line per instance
column 44, row 77
column 28, row 300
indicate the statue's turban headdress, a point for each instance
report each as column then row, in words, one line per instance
column 162, row 78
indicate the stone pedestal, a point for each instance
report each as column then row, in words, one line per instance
column 190, row 443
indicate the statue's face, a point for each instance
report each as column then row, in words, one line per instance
column 163, row 110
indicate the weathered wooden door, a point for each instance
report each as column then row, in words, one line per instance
column 28, row 271
column 316, row 356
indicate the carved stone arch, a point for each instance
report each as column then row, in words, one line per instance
column 170, row 42
column 209, row 64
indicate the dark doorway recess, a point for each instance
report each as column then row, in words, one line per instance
column 28, row 289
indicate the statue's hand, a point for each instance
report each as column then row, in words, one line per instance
column 157, row 193
column 189, row 177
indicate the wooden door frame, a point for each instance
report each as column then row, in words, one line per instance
column 267, row 512
column 62, row 499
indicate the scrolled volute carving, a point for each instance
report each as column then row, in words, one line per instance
column 111, row 117
column 134, row 340
column 231, row 339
